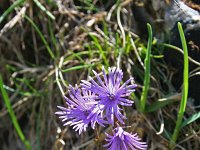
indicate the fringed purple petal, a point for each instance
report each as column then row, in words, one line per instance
column 81, row 111
column 124, row 140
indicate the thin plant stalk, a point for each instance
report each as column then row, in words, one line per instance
column 10, row 9
column 44, row 9
column 98, row 45
column 147, row 71
column 12, row 115
column 184, row 90
column 41, row 36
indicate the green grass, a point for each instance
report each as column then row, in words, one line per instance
column 10, row 9
column 44, row 9
column 147, row 71
column 12, row 116
column 99, row 47
column 78, row 67
column 87, row 5
column 191, row 119
column 41, row 36
column 53, row 38
column 184, row 90
column 160, row 103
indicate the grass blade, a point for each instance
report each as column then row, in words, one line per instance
column 44, row 9
column 12, row 115
column 53, row 37
column 147, row 71
column 162, row 103
column 78, row 67
column 98, row 45
column 191, row 119
column 10, row 9
column 41, row 36
column 184, row 90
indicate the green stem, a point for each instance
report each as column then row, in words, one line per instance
column 147, row 71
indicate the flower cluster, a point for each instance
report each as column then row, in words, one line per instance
column 100, row 101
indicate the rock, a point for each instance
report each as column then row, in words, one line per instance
column 178, row 11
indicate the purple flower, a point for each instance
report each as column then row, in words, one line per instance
column 122, row 140
column 81, row 111
column 110, row 93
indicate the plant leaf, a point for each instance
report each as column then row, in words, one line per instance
column 163, row 102
column 190, row 119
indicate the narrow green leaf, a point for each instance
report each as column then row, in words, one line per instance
column 12, row 115
column 10, row 9
column 44, row 9
column 78, row 67
column 53, row 37
column 157, row 56
column 98, row 45
column 147, row 70
column 41, row 36
column 162, row 103
column 184, row 90
column 191, row 119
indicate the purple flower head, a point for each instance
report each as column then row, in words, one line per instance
column 111, row 93
column 81, row 111
column 122, row 140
